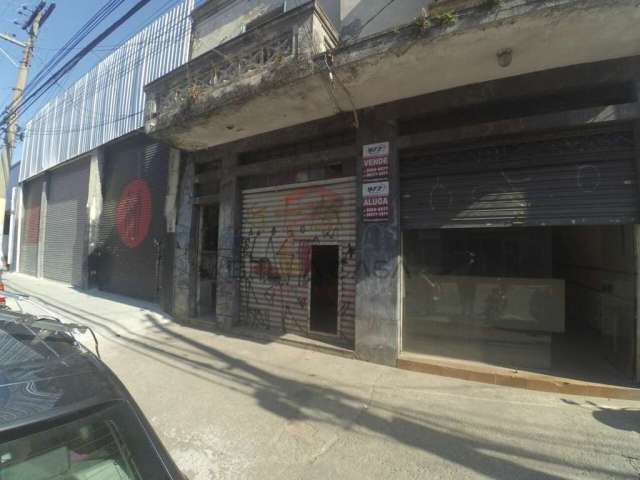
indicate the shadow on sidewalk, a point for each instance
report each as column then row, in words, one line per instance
column 295, row 400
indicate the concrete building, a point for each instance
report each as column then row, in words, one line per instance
column 423, row 184
column 415, row 181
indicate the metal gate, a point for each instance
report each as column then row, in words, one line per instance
column 65, row 232
column 30, row 231
column 132, row 226
column 279, row 228
column 582, row 176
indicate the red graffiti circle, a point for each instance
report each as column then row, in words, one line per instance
column 133, row 215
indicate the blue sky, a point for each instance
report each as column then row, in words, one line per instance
column 68, row 17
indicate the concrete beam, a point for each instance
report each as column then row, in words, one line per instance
column 206, row 199
column 207, row 177
column 637, row 251
column 572, row 118
column 306, row 160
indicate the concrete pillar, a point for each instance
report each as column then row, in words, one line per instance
column 14, row 213
column 637, row 241
column 19, row 220
column 378, row 256
column 228, row 275
column 636, row 231
column 94, row 214
column 44, row 201
column 184, row 270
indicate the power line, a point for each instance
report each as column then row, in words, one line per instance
column 75, row 39
column 74, row 61
column 78, row 36
column 122, row 68
column 127, row 66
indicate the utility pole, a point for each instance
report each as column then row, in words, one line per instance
column 32, row 25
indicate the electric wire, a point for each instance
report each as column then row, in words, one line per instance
column 41, row 90
column 123, row 69
column 123, row 66
column 75, row 39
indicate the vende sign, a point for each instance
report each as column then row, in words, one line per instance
column 375, row 201
column 375, row 161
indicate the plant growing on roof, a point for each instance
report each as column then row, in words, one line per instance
column 422, row 20
column 445, row 19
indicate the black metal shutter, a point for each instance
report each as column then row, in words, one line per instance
column 65, row 234
column 30, row 233
column 132, row 226
column 574, row 177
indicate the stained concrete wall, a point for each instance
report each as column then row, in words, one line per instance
column 219, row 21
column 362, row 18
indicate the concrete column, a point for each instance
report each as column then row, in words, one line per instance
column 14, row 215
column 636, row 232
column 228, row 275
column 378, row 256
column 19, row 220
column 184, row 270
column 44, row 201
column 637, row 242
column 94, row 214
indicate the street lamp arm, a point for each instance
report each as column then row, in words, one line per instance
column 10, row 39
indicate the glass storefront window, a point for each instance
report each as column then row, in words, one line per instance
column 481, row 294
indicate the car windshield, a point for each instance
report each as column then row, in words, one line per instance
column 101, row 445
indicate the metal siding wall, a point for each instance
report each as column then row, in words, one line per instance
column 66, row 224
column 132, row 268
column 278, row 229
column 30, row 235
column 107, row 102
column 578, row 177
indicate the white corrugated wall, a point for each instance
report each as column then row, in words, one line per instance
column 108, row 101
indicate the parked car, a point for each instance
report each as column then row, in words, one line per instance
column 64, row 415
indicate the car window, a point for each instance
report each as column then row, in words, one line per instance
column 108, row 445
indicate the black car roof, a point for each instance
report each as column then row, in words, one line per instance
column 43, row 374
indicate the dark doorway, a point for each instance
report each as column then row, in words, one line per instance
column 324, row 289
column 207, row 261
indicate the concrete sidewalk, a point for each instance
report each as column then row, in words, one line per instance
column 229, row 408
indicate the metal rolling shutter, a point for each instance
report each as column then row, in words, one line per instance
column 30, row 234
column 279, row 227
column 132, row 225
column 66, row 224
column 579, row 177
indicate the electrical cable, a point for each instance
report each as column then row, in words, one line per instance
column 112, row 76
column 75, row 39
column 74, row 60
column 123, row 65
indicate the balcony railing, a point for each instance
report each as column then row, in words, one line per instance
column 296, row 36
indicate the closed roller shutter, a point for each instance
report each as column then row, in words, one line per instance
column 132, row 225
column 30, row 234
column 279, row 227
column 65, row 234
column 576, row 177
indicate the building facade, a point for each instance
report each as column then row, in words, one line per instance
column 453, row 181
column 415, row 182
column 93, row 206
